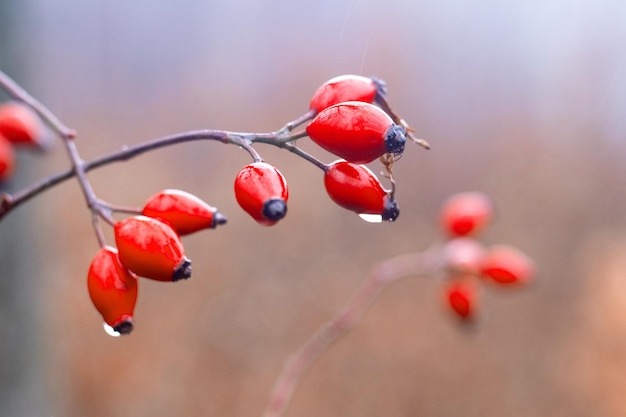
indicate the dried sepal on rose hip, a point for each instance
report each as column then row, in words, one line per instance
column 183, row 211
column 151, row 249
column 113, row 290
column 7, row 159
column 21, row 125
column 357, row 132
column 344, row 88
column 461, row 298
column 356, row 188
column 504, row 264
column 261, row 191
column 466, row 213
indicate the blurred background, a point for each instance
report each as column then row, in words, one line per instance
column 522, row 100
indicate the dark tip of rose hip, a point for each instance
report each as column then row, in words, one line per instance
column 218, row 219
column 391, row 211
column 274, row 209
column 381, row 86
column 124, row 327
column 183, row 271
column 395, row 139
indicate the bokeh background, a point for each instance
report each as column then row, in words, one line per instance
column 524, row 100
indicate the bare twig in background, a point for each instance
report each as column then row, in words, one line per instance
column 383, row 275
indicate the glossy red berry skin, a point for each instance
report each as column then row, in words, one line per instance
column 504, row 264
column 183, row 211
column 21, row 125
column 261, row 191
column 357, row 132
column 356, row 188
column 461, row 298
column 112, row 289
column 151, row 249
column 345, row 88
column 7, row 159
column 466, row 213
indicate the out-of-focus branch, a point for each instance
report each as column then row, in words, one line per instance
column 383, row 275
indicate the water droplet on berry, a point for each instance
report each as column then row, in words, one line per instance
column 111, row 331
column 371, row 218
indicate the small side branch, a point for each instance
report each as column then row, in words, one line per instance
column 383, row 275
column 10, row 202
column 17, row 92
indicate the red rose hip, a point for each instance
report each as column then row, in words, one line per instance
column 466, row 213
column 345, row 88
column 461, row 298
column 21, row 125
column 151, row 249
column 112, row 289
column 356, row 188
column 261, row 191
column 183, row 211
column 7, row 159
column 357, row 132
column 463, row 255
column 504, row 264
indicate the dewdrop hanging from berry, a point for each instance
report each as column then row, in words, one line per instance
column 356, row 188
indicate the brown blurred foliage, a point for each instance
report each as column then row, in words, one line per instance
column 523, row 101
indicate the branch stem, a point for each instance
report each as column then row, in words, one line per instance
column 17, row 92
column 383, row 275
column 282, row 138
column 9, row 202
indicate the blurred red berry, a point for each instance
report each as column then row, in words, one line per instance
column 356, row 188
column 461, row 298
column 345, row 88
column 357, row 132
column 151, row 249
column 113, row 290
column 261, row 191
column 183, row 211
column 505, row 264
column 7, row 159
column 466, row 213
column 464, row 255
column 21, row 125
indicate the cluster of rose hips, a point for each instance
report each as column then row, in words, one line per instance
column 149, row 246
column 342, row 119
column 468, row 262
column 347, row 122
column 19, row 126
column 348, row 116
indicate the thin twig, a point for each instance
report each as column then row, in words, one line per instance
column 98, row 230
column 247, row 146
column 289, row 127
column 11, row 201
column 282, row 138
column 305, row 155
column 383, row 275
column 17, row 92
column 79, row 169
